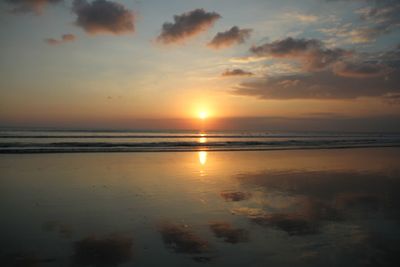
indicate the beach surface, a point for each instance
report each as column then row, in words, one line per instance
column 320, row 207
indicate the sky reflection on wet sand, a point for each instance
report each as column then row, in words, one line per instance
column 278, row 208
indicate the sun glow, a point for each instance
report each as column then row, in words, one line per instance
column 203, row 115
column 202, row 140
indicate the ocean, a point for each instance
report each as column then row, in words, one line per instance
column 46, row 141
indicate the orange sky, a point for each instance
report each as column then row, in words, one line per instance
column 64, row 66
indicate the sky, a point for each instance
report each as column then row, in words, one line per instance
column 255, row 64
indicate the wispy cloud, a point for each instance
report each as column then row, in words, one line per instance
column 377, row 19
column 246, row 59
column 384, row 19
column 346, row 33
column 303, row 18
column 65, row 38
column 391, row 98
column 35, row 6
column 236, row 72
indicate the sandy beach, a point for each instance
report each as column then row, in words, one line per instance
column 333, row 207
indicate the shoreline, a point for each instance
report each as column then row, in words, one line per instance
column 147, row 150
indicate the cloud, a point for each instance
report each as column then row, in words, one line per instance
column 304, row 18
column 391, row 98
column 65, row 38
column 330, row 73
column 380, row 18
column 102, row 16
column 346, row 33
column 236, row 72
column 360, row 69
column 229, row 38
column 311, row 52
column 320, row 85
column 384, row 18
column 35, row 6
column 187, row 25
column 246, row 59
column 391, row 57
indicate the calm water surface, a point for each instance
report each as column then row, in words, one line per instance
column 257, row 208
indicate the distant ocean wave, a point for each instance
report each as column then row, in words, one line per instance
column 176, row 136
column 87, row 141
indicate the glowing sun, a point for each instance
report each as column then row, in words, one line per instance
column 203, row 115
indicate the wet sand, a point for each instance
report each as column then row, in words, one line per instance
column 334, row 207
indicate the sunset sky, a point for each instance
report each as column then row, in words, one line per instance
column 262, row 64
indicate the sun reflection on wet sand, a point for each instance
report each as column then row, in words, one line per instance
column 203, row 157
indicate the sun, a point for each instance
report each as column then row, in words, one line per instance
column 203, row 115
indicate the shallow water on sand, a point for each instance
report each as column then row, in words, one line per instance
column 276, row 208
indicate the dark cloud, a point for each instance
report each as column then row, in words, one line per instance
column 360, row 69
column 230, row 37
column 235, row 196
column 35, row 6
column 320, row 85
column 109, row 251
column 229, row 233
column 102, row 16
column 187, row 25
column 64, row 39
column 311, row 52
column 236, row 72
column 181, row 239
column 378, row 77
column 331, row 73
